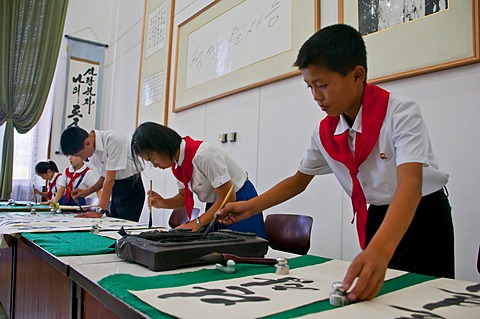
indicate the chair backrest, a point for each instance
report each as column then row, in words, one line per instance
column 478, row 260
column 179, row 216
column 288, row 232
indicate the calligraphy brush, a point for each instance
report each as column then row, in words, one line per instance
column 33, row 193
column 220, row 258
column 76, row 201
column 150, row 205
column 214, row 219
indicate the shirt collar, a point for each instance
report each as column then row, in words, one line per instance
column 81, row 169
column 181, row 156
column 98, row 141
column 343, row 126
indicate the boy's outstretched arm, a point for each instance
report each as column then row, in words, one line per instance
column 284, row 190
column 371, row 264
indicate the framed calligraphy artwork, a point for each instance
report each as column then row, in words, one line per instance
column 154, row 77
column 234, row 46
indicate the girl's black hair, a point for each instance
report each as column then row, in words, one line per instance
column 43, row 167
column 155, row 137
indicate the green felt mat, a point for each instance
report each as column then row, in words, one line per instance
column 119, row 284
column 72, row 243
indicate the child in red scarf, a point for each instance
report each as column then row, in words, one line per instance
column 77, row 176
column 377, row 145
column 48, row 171
column 200, row 168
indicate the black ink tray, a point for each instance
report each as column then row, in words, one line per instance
column 164, row 250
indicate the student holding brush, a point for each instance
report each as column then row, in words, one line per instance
column 199, row 167
column 77, row 176
column 48, row 171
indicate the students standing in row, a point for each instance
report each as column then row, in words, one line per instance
column 200, row 168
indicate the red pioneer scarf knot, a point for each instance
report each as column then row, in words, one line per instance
column 184, row 172
column 72, row 176
column 51, row 185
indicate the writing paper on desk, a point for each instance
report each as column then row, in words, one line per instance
column 439, row 298
column 13, row 223
column 249, row 297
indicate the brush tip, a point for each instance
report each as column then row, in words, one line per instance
column 213, row 258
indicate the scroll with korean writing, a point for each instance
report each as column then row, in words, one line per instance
column 81, row 97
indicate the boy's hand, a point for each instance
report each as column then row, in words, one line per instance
column 36, row 191
column 234, row 212
column 370, row 267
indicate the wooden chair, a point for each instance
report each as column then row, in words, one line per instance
column 290, row 233
column 179, row 216
column 478, row 260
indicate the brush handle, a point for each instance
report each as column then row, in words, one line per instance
column 150, row 206
column 214, row 219
column 249, row 260
column 76, row 201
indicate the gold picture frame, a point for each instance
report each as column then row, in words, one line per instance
column 433, row 42
column 155, row 60
column 243, row 66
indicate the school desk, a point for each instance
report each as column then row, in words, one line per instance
column 97, row 286
column 22, row 207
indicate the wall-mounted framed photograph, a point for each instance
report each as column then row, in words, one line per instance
column 237, row 45
column 407, row 38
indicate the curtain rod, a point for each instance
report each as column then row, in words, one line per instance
column 87, row 41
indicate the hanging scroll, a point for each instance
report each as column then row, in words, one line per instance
column 84, row 83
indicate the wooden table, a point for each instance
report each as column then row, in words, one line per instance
column 36, row 284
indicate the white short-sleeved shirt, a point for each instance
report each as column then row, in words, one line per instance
column 403, row 139
column 90, row 178
column 212, row 167
column 112, row 153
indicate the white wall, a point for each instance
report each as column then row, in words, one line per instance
column 274, row 123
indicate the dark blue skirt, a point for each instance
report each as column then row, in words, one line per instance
column 71, row 202
column 253, row 224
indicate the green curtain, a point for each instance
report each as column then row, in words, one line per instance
column 30, row 37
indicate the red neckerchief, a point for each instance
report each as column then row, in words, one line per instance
column 72, row 177
column 374, row 108
column 184, row 172
column 51, row 185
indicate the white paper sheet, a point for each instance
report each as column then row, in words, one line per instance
column 252, row 296
column 440, row 298
column 13, row 223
